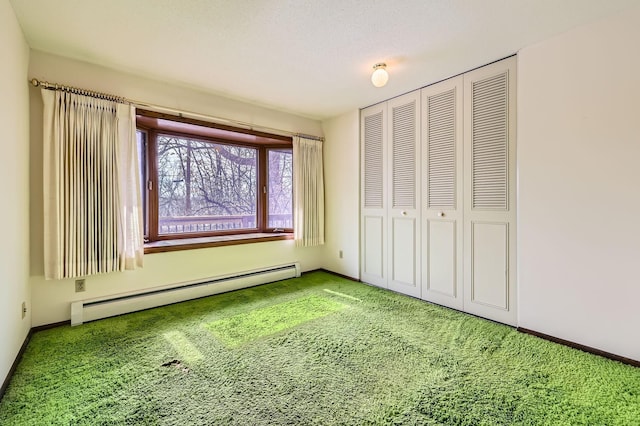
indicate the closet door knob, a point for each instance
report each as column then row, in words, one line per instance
column 404, row 213
column 441, row 214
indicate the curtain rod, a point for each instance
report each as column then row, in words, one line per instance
column 55, row 86
column 315, row 138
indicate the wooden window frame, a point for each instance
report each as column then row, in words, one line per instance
column 154, row 124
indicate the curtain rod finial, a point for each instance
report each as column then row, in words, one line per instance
column 35, row 82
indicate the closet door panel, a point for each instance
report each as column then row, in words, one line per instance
column 403, row 264
column 441, row 268
column 442, row 193
column 373, row 220
column 373, row 240
column 489, row 264
column 404, row 184
column 490, row 208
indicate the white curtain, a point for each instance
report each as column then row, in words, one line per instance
column 92, row 203
column 308, row 192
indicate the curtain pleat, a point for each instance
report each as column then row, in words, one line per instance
column 131, row 225
column 91, row 192
column 308, row 198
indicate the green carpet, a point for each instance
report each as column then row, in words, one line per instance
column 317, row 350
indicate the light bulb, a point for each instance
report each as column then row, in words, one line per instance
column 380, row 76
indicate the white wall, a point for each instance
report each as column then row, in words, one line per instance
column 51, row 299
column 579, row 185
column 342, row 176
column 14, row 175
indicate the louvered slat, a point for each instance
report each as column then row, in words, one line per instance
column 404, row 156
column 373, row 161
column 441, row 151
column 490, row 144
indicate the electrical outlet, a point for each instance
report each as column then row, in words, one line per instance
column 24, row 309
column 340, row 254
column 80, row 285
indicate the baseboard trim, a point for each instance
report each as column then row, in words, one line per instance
column 14, row 366
column 583, row 348
column 49, row 326
column 346, row 277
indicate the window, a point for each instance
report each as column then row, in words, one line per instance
column 204, row 180
column 280, row 188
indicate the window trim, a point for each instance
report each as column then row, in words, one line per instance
column 218, row 241
column 154, row 124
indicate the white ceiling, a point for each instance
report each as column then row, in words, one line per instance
column 310, row 58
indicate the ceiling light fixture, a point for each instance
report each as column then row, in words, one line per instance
column 380, row 75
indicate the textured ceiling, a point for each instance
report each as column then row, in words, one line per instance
column 311, row 58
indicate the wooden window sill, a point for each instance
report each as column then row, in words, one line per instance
column 204, row 242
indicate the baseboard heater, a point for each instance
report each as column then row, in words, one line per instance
column 93, row 309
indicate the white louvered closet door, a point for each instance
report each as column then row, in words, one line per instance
column 442, row 193
column 404, row 186
column 373, row 221
column 490, row 192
